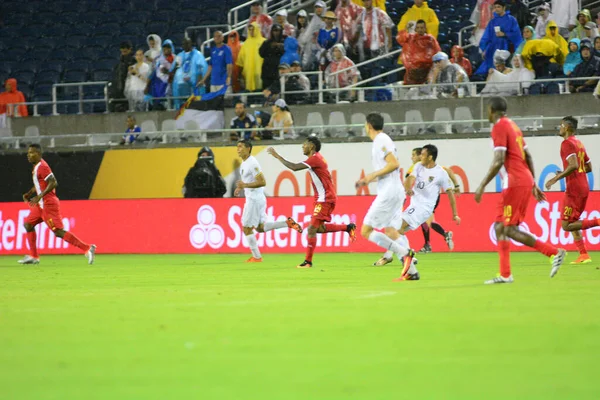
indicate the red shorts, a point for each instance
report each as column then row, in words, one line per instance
column 512, row 208
column 50, row 214
column 321, row 214
column 573, row 206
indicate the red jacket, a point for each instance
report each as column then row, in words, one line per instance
column 12, row 96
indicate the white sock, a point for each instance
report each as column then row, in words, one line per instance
column 402, row 241
column 253, row 246
column 382, row 240
column 274, row 225
column 412, row 269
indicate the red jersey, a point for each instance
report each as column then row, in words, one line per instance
column 577, row 183
column 41, row 174
column 507, row 136
column 321, row 179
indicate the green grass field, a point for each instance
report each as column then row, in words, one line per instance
column 213, row 327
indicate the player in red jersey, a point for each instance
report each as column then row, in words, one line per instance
column 325, row 197
column 576, row 164
column 515, row 165
column 45, row 207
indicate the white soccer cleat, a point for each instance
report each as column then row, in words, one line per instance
column 449, row 240
column 557, row 261
column 91, row 254
column 499, row 279
column 29, row 260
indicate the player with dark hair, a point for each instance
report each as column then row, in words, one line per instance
column 254, row 216
column 325, row 197
column 576, row 164
column 45, row 207
column 515, row 165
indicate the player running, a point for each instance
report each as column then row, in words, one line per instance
column 325, row 197
column 386, row 209
column 254, row 215
column 45, row 207
column 515, row 165
column 576, row 165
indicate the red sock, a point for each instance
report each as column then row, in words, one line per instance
column 32, row 239
column 545, row 248
column 591, row 223
column 581, row 247
column 335, row 227
column 312, row 244
column 74, row 240
column 504, row 253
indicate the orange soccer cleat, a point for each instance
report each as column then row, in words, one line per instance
column 254, row 260
column 352, row 232
column 583, row 259
column 294, row 225
column 305, row 264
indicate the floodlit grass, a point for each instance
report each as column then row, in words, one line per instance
column 213, row 327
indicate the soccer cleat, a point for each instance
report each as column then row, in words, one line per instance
column 408, row 277
column 557, row 261
column 426, row 249
column 254, row 260
column 408, row 261
column 382, row 261
column 449, row 240
column 499, row 279
column 305, row 264
column 294, row 225
column 29, row 260
column 91, row 254
column 582, row 259
column 351, row 229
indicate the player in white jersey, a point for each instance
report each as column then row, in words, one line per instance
column 386, row 210
column 254, row 216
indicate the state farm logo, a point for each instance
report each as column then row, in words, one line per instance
column 206, row 231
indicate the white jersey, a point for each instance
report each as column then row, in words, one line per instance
column 249, row 170
column 390, row 183
column 428, row 183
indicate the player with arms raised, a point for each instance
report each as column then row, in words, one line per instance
column 325, row 197
column 515, row 165
column 576, row 165
column 45, row 207
column 254, row 215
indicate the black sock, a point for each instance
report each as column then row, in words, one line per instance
column 438, row 228
column 425, row 229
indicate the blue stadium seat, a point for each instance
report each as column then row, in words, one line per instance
column 10, row 32
column 134, row 28
column 43, row 88
column 94, row 41
column 166, row 5
column 464, row 12
column 105, row 64
column 60, row 55
column 47, row 76
column 75, row 76
column 26, row 77
column 111, row 28
column 157, row 27
column 75, row 41
column 44, row 110
column 102, row 75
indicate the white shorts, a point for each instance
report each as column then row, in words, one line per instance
column 385, row 211
column 415, row 215
column 255, row 213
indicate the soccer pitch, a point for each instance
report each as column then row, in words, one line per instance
column 214, row 327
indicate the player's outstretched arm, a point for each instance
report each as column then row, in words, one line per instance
column 452, row 200
column 572, row 167
column 497, row 163
column 288, row 164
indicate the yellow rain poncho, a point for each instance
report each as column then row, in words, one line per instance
column 556, row 38
column 250, row 61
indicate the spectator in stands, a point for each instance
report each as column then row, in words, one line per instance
column 242, row 121
column 544, row 16
column 289, row 30
column 296, row 67
column 597, row 46
column 271, row 51
column 482, row 14
column 233, row 41
column 328, row 36
column 565, row 15
column 117, row 86
column 301, row 23
column 552, row 34
column 292, row 86
column 418, row 50
column 517, row 81
column 204, row 180
column 132, row 132
column 444, row 71
column 521, row 13
column 543, row 56
column 591, row 31
column 190, row 67
column 161, row 77
column 249, row 60
column 155, row 46
column 137, row 80
column 264, row 21
column 375, row 29
column 573, row 58
column 339, row 62
column 290, row 51
column 458, row 57
column 348, row 14
column 220, row 67
column 502, row 32
column 583, row 17
column 308, row 39
column 282, row 122
column 376, row 3
column 528, row 34
column 589, row 66
column 500, row 59
column 11, row 96
column 420, row 11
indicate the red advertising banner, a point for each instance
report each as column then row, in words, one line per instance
column 213, row 225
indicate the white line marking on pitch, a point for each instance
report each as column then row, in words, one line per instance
column 376, row 294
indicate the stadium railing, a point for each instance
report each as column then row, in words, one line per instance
column 80, row 101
